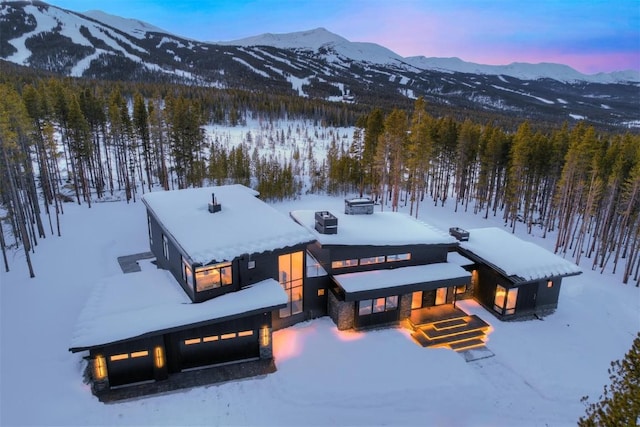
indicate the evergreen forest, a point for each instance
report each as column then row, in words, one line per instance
column 81, row 141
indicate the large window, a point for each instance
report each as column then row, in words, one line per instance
column 290, row 268
column 377, row 305
column 213, row 276
column 505, row 300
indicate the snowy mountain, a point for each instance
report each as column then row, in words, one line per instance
column 315, row 64
column 320, row 40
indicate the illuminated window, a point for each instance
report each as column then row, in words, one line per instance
column 187, row 273
column 192, row 341
column 290, row 271
column 320, row 292
column 416, row 300
column 143, row 353
column 117, row 357
column 211, row 338
column 314, row 269
column 461, row 289
column 372, row 260
column 344, row 263
column 245, row 333
column 214, row 276
column 158, row 354
column 165, row 246
column 550, row 284
column 100, row 368
column 378, row 305
column 505, row 300
column 228, row 336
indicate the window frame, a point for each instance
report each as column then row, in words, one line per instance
column 224, row 279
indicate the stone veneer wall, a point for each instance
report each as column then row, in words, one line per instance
column 341, row 312
column 405, row 306
column 266, row 351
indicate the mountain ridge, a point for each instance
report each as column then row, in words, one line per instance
column 315, row 63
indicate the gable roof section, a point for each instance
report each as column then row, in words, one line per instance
column 376, row 229
column 245, row 225
column 515, row 258
column 146, row 303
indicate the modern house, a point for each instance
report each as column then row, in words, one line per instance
column 515, row 278
column 231, row 269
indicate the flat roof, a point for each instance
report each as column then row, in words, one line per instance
column 133, row 305
column 377, row 229
column 432, row 275
column 245, row 224
column 458, row 259
column 513, row 256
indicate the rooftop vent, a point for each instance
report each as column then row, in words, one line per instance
column 214, row 206
column 358, row 206
column 459, row 233
column 326, row 223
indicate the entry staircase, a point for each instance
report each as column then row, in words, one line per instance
column 453, row 329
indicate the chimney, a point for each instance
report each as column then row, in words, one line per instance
column 326, row 223
column 358, row 206
column 214, row 206
column 459, row 233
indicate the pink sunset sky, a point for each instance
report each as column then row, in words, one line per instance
column 590, row 36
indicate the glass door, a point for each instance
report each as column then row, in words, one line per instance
column 441, row 296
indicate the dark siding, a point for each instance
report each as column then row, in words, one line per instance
column 375, row 319
column 527, row 295
column 548, row 297
column 316, row 305
column 420, row 255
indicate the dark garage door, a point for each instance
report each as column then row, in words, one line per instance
column 127, row 368
column 214, row 349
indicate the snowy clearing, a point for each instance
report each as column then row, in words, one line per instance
column 540, row 371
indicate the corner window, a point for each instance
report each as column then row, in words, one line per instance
column 505, row 300
column 214, row 276
column 314, row 269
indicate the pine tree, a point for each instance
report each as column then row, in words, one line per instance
column 619, row 404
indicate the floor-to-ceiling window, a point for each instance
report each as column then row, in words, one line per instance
column 290, row 273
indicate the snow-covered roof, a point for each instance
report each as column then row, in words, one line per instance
column 457, row 259
column 391, row 278
column 245, row 225
column 516, row 257
column 378, row 229
column 132, row 305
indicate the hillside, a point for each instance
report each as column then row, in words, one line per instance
column 314, row 63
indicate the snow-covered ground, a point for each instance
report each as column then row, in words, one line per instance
column 540, row 371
